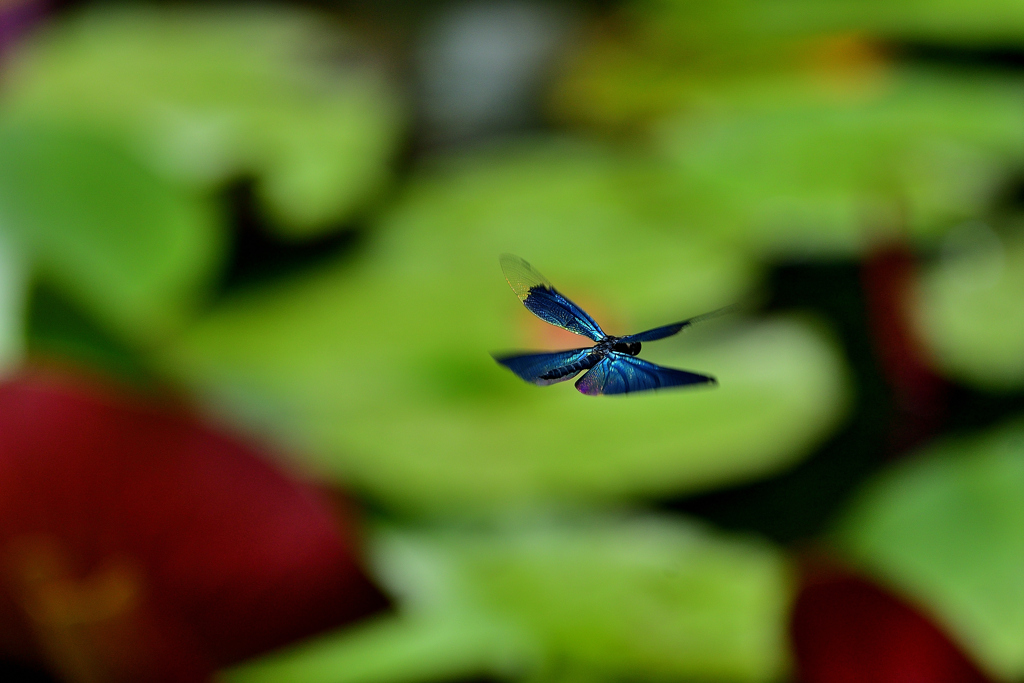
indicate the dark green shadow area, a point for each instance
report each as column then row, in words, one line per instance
column 258, row 256
column 58, row 329
column 802, row 502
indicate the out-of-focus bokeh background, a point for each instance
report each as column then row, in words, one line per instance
column 250, row 427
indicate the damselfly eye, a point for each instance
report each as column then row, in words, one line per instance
column 629, row 348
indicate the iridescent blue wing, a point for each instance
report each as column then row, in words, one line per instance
column 544, row 301
column 618, row 373
column 531, row 366
column 657, row 332
column 674, row 328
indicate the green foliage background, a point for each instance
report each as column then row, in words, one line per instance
column 682, row 155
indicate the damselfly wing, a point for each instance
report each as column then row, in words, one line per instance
column 544, row 301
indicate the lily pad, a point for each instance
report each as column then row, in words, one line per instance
column 805, row 173
column 560, row 196
column 382, row 373
column 956, row 22
column 947, row 530
column 971, row 310
column 14, row 280
column 638, row 598
column 124, row 244
column 822, row 146
column 663, row 58
column 209, row 94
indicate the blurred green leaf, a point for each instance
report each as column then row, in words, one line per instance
column 208, row 94
column 653, row 57
column 563, row 199
column 405, row 649
column 634, row 598
column 124, row 244
column 997, row 23
column 14, row 279
column 971, row 311
column 664, row 57
column 805, row 173
column 795, row 137
column 382, row 371
column 947, row 530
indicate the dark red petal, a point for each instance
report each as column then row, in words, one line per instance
column 230, row 557
column 848, row 630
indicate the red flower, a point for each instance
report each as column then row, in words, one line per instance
column 139, row 544
column 848, row 630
